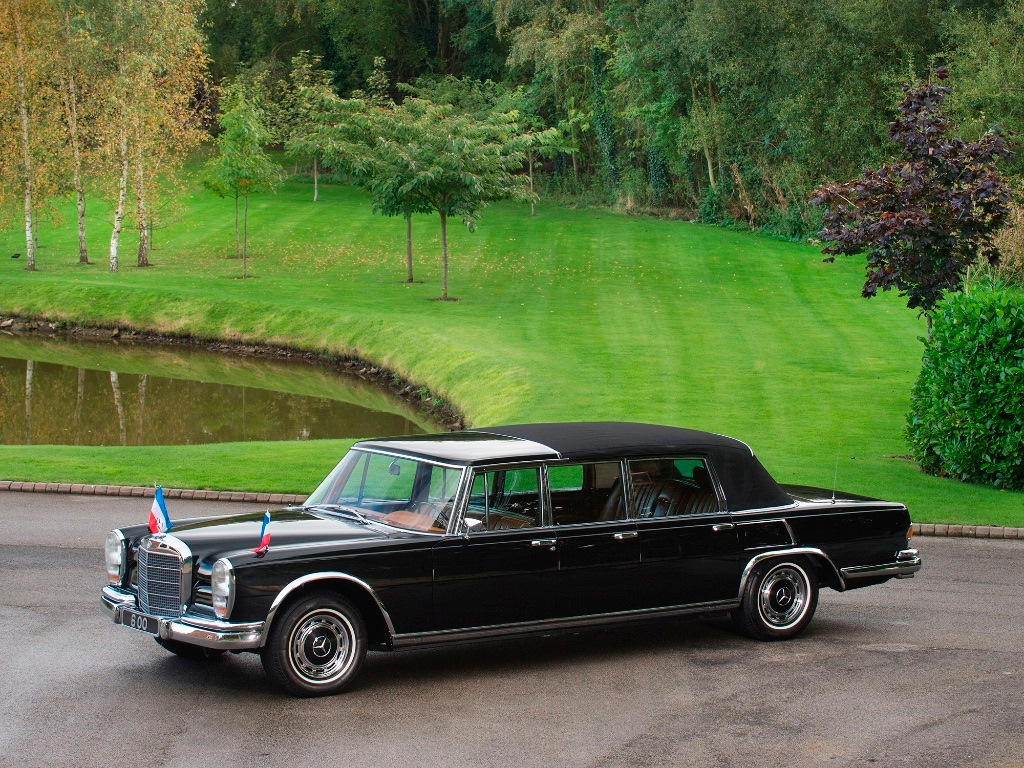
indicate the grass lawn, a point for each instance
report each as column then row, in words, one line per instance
column 568, row 315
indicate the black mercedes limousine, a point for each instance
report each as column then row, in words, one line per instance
column 531, row 528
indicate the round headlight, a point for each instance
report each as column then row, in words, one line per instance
column 222, row 588
column 116, row 554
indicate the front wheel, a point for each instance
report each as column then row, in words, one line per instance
column 778, row 601
column 317, row 647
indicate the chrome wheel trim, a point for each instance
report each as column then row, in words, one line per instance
column 321, row 646
column 784, row 596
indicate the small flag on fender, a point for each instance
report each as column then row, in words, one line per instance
column 159, row 520
column 264, row 536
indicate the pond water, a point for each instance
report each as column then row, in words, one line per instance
column 63, row 391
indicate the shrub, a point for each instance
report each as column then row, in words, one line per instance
column 967, row 408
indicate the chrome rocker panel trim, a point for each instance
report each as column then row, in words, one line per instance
column 195, row 630
column 552, row 626
column 908, row 562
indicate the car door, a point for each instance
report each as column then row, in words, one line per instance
column 598, row 547
column 689, row 548
column 504, row 569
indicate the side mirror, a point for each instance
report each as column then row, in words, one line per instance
column 395, row 468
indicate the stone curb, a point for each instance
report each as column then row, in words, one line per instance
column 968, row 531
column 920, row 529
column 169, row 493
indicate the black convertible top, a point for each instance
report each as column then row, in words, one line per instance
column 745, row 483
column 597, row 439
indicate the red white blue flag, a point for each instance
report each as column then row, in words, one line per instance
column 159, row 520
column 264, row 536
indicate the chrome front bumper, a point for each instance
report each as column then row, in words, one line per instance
column 196, row 630
column 908, row 562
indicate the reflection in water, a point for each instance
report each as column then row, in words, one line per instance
column 65, row 405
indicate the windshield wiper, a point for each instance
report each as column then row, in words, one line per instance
column 349, row 512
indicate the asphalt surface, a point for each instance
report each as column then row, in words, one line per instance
column 923, row 672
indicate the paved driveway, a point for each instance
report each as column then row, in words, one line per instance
column 925, row 672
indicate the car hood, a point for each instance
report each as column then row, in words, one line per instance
column 222, row 535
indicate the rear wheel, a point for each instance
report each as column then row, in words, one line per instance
column 189, row 651
column 779, row 600
column 317, row 647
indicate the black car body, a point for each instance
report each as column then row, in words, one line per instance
column 534, row 528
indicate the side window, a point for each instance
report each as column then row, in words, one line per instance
column 503, row 500
column 586, row 493
column 669, row 487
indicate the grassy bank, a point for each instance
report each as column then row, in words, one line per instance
column 568, row 315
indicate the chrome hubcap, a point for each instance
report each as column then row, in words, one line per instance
column 320, row 646
column 783, row 596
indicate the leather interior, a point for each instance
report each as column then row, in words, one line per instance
column 663, row 497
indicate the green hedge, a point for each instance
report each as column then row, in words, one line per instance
column 967, row 408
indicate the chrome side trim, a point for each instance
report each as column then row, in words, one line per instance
column 908, row 562
column 789, row 528
column 322, row 576
column 760, row 558
column 420, row 639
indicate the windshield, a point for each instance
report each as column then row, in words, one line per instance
column 402, row 492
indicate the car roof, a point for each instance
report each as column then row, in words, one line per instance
column 567, row 440
column 745, row 483
column 595, row 439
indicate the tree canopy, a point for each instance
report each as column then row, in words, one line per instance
column 927, row 216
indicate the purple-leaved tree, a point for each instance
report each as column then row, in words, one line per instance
column 925, row 217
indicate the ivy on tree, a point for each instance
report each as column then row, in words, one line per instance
column 924, row 218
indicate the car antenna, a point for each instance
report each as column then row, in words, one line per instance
column 835, row 477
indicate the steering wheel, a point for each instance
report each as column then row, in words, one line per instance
column 435, row 511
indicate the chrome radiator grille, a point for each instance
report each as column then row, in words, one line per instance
column 160, row 583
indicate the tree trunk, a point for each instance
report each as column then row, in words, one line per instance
column 705, row 145
column 30, row 243
column 140, row 413
column 140, row 194
column 115, row 384
column 408, row 248
column 79, row 401
column 532, row 211
column 316, row 180
column 29, row 369
column 122, row 192
column 245, row 234
column 444, row 256
column 237, row 240
column 70, row 93
column 714, row 126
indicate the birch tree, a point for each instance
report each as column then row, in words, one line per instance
column 27, row 107
column 76, row 67
column 154, row 51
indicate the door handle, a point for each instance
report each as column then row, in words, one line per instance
column 625, row 535
column 544, row 543
column 722, row 527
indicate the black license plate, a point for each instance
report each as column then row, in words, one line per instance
column 139, row 621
